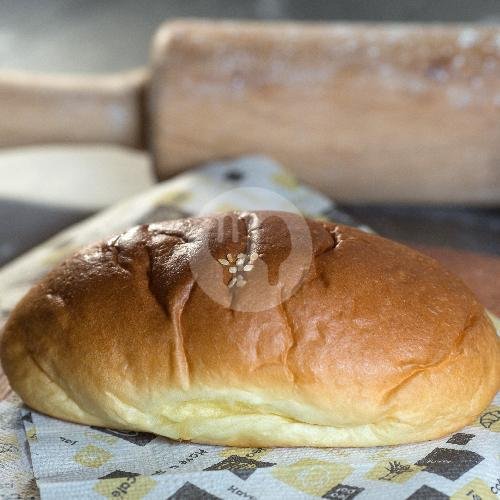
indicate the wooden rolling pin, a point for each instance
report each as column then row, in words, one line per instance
column 368, row 113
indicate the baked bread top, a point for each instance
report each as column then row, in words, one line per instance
column 254, row 329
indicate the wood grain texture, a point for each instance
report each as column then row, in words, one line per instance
column 39, row 109
column 480, row 272
column 363, row 112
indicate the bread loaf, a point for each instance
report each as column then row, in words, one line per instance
column 254, row 329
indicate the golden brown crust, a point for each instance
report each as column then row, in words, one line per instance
column 373, row 343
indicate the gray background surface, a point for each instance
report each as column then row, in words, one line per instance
column 109, row 35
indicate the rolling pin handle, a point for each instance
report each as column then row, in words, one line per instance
column 48, row 109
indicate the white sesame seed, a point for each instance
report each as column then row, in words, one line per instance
column 248, row 267
column 233, row 270
column 241, row 256
column 232, row 283
column 468, row 38
column 230, row 257
column 240, row 262
column 224, row 262
column 254, row 256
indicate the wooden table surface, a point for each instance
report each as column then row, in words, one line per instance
column 480, row 272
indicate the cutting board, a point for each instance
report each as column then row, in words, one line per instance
column 480, row 272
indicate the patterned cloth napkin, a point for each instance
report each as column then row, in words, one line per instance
column 75, row 461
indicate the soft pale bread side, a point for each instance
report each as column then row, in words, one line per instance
column 377, row 345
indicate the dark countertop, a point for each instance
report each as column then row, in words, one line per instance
column 23, row 225
column 472, row 229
